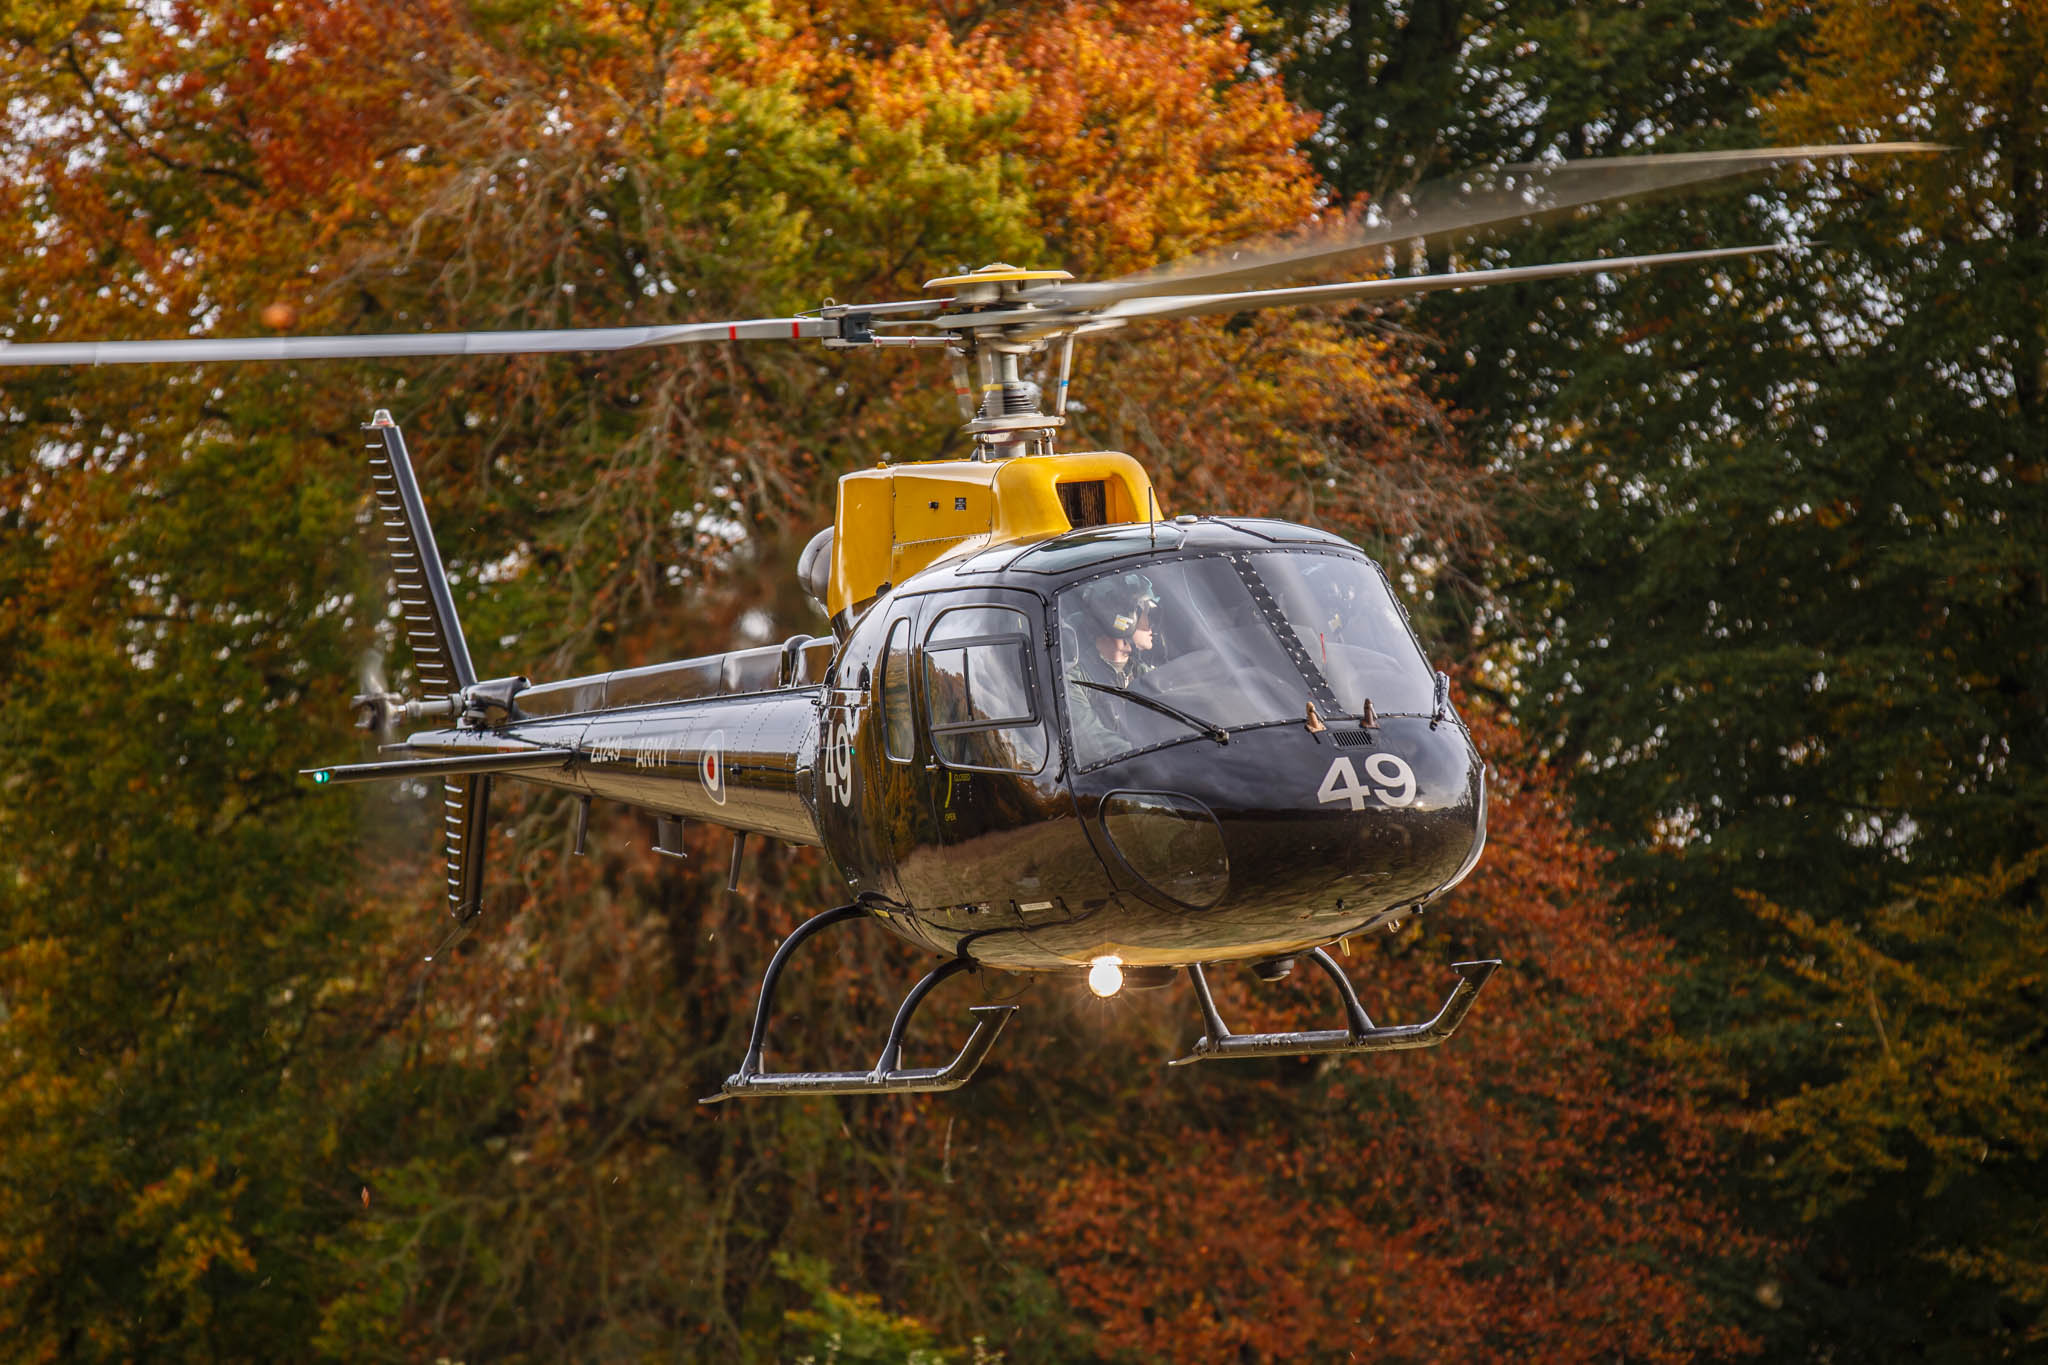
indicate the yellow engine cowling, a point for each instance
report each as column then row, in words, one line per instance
column 896, row 519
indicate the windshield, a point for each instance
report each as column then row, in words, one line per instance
column 1180, row 648
column 1346, row 621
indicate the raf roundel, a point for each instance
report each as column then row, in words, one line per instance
column 711, row 767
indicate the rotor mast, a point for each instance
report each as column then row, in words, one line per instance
column 999, row 407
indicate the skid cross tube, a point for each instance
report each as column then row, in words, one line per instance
column 1360, row 1034
column 888, row 1073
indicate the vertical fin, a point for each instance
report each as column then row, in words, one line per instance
column 467, row 802
column 440, row 655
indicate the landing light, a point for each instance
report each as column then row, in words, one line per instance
column 1106, row 975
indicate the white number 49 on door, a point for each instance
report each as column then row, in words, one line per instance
column 1388, row 777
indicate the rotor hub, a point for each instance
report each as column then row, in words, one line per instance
column 996, row 283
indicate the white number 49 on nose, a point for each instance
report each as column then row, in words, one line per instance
column 1388, row 777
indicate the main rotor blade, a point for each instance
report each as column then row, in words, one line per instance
column 1018, row 326
column 1187, row 306
column 1454, row 208
column 199, row 349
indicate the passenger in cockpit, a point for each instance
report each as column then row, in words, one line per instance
column 1337, row 597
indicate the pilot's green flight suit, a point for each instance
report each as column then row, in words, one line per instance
column 1090, row 713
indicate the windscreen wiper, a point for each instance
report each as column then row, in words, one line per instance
column 1212, row 730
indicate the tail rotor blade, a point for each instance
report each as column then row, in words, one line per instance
column 376, row 706
column 370, row 670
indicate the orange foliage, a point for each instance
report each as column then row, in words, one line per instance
column 1533, row 1188
column 1539, row 1187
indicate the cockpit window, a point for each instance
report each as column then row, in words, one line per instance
column 899, row 736
column 1345, row 619
column 977, row 688
column 1177, row 649
column 1184, row 633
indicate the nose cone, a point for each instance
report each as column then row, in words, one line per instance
column 1375, row 819
column 1284, row 836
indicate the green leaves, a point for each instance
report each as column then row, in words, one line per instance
column 176, row 907
column 1771, row 581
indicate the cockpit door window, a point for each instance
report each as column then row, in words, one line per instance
column 899, row 731
column 980, row 702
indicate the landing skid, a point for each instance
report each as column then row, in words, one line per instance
column 888, row 1074
column 1360, row 1034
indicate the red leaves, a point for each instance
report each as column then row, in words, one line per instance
column 1229, row 1263
column 1539, row 1185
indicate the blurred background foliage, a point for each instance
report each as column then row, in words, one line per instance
column 1741, row 572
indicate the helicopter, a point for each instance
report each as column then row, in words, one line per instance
column 1054, row 729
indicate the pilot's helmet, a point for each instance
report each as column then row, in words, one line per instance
column 1116, row 605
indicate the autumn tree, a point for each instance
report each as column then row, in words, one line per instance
column 1938, row 378
column 1772, row 578
column 1927, row 1019
column 276, row 1132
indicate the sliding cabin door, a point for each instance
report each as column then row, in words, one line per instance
column 991, row 766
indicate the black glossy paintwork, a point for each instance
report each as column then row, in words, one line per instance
column 1013, row 868
column 1302, row 870
column 975, row 856
column 654, row 757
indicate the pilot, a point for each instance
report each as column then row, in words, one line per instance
column 1119, row 616
column 1117, row 648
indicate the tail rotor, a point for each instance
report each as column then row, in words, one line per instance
column 377, row 708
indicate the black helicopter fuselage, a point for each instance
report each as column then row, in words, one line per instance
column 1054, row 731
column 996, row 777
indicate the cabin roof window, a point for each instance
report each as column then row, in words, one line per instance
column 1096, row 544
